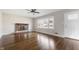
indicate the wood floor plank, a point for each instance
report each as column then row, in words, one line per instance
column 37, row 41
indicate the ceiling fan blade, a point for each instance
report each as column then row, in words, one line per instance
column 34, row 9
column 36, row 12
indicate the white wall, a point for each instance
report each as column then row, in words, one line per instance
column 10, row 20
column 63, row 26
column 0, row 24
column 58, row 23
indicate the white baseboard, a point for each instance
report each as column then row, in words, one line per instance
column 59, row 35
column 75, row 38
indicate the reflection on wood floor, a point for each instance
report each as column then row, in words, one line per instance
column 37, row 41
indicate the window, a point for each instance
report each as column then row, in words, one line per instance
column 51, row 23
column 72, row 16
column 45, row 23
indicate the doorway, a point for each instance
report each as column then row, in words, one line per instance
column 21, row 27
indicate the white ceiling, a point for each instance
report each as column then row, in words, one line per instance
column 23, row 12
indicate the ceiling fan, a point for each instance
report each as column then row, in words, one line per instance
column 34, row 11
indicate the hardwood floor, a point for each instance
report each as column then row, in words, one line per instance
column 37, row 41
